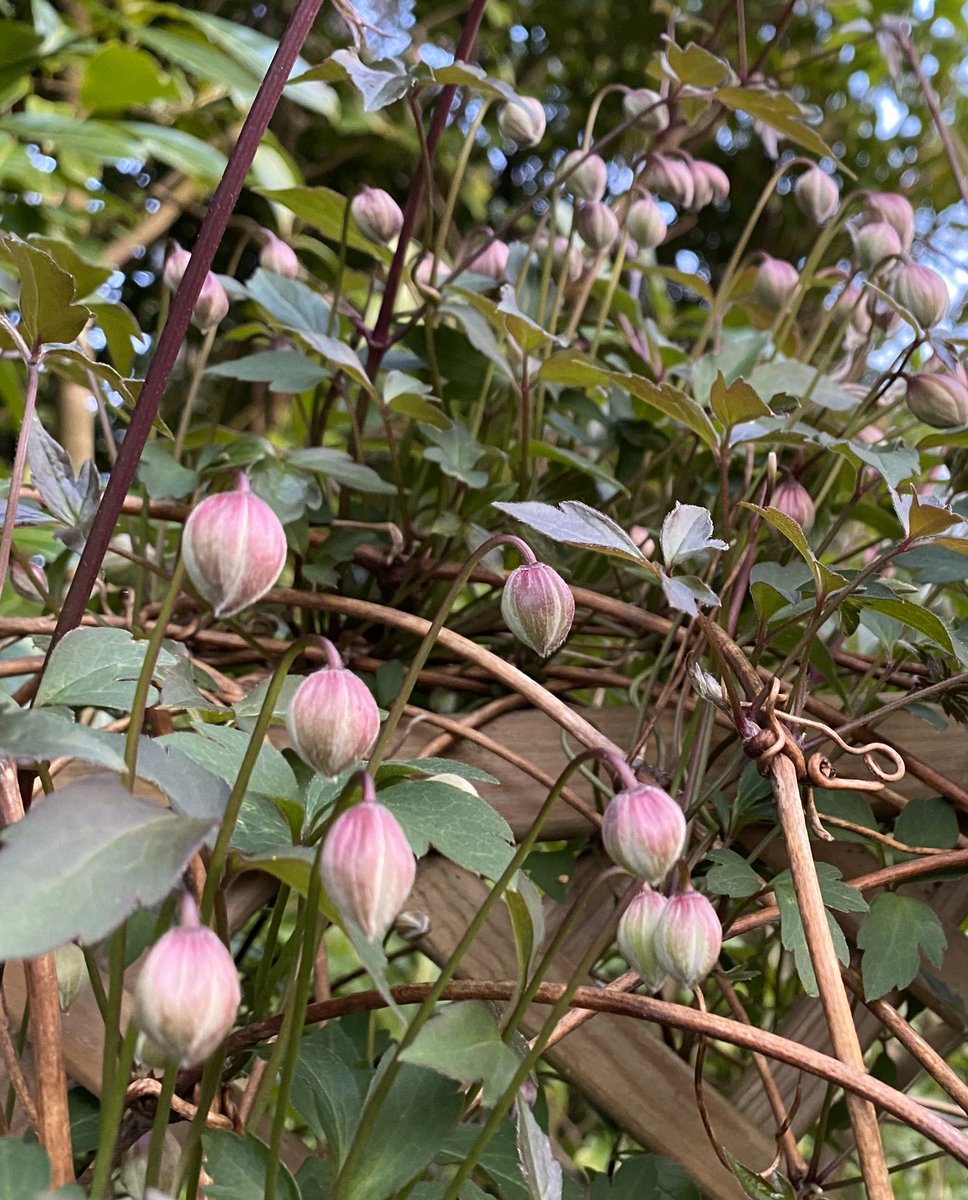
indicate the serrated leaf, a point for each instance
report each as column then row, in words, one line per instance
column 99, row 667
column 836, row 894
column 71, row 500
column 433, row 766
column 341, row 468
column 687, row 530
column 931, row 822
column 780, row 112
column 463, row 1042
column 826, row 580
column 456, row 452
column 670, row 401
column 915, row 616
column 47, row 308
column 285, row 371
column 329, row 1085
column 576, row 524
column 919, row 517
column 36, row 735
column 541, row 1170
column 686, row 593
column 731, row 875
column 162, row 476
column 696, row 66
column 786, row 376
column 736, row 402
column 774, row 1187
column 220, row 749
column 646, row 1177
column 893, row 465
column 290, row 302
column 192, row 790
column 893, row 936
column 462, row 827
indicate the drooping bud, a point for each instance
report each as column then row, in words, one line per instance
column 688, row 938
column 234, row 547
column 492, row 261
column 852, row 305
column 897, row 212
column 793, row 500
column 523, row 121
column 278, row 257
column 644, row 831
column 424, row 275
column 564, row 257
column 212, row 304
column 776, row 281
column 817, row 194
column 25, row 580
column 176, row 263
column 538, row 607
column 587, row 180
column 188, row 991
column 645, row 224
column 71, row 973
column 636, row 937
column 597, row 225
column 671, row 179
column 368, row 867
column 710, row 184
column 874, row 243
column 923, row 293
column 938, row 400
column 377, row 215
column 332, row 719
column 134, row 1166
column 649, row 107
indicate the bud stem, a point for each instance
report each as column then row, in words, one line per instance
column 160, row 1126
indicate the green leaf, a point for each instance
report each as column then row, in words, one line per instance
column 932, row 822
column 646, row 1177
column 456, row 452
column 238, row 1165
column 785, row 376
column 433, row 766
column 774, row 1187
column 328, row 1087
column 670, row 401
column 102, row 141
column 377, row 87
column 180, row 150
column 323, row 209
column 285, row 371
column 162, row 476
column 37, row 735
column 526, row 911
column 894, row 934
column 541, row 1170
column 538, row 449
column 780, row 112
column 47, row 308
column 192, row 790
column 696, row 66
column 687, row 531
column 687, row 593
column 893, row 465
column 99, row 667
column 24, row 1169
column 825, row 579
column 120, row 77
column 462, row 827
column 736, row 402
column 836, row 894
column 576, row 524
column 72, row 501
column 88, row 276
column 915, row 616
column 289, row 301
column 731, row 876
column 463, row 1042
column 220, row 749
column 94, row 829
column 341, row 468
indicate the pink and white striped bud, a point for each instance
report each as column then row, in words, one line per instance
column 564, row 257
column 710, row 184
column 897, row 212
column 492, row 261
column 649, row 107
column 688, row 938
column 776, row 281
column 852, row 305
column 645, row 224
column 636, row 937
column 234, row 547
column 671, row 179
column 817, row 195
column 938, row 400
column 176, row 264
column 875, row 243
column 597, row 225
column 25, row 580
column 923, row 293
column 212, row 304
column 134, row 1167
column 587, row 181
column 644, row 831
column 377, row 215
column 368, row 867
column 188, row 991
column 793, row 500
column 332, row 718
column 278, row 257
column 523, row 121
column 538, row 607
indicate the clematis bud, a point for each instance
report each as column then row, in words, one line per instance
column 368, row 867
column 377, row 215
column 134, row 1166
column 332, row 719
column 424, row 275
column 538, row 607
column 938, row 400
column 234, row 548
column 851, row 306
column 649, row 107
column 597, row 225
column 25, row 580
column 644, row 831
column 523, row 121
column 587, row 180
column 710, row 184
column 776, row 281
column 817, row 195
column 688, row 938
column 278, row 257
column 71, row 973
column 897, row 212
column 564, row 257
column 636, row 937
column 188, row 991
column 176, row 263
column 874, row 243
column 923, row 293
column 936, row 365
column 793, row 499
column 645, row 224
column 671, row 179
column 212, row 304
column 492, row 261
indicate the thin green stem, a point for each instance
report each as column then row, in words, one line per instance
column 159, row 1127
column 198, row 370
column 191, row 1162
column 109, row 1120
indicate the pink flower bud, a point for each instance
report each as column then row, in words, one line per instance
column 368, row 867
column 492, row 261
column 776, row 281
column 923, row 293
column 333, row 719
column 636, row 937
column 538, row 607
column 688, row 938
column 897, row 212
column 377, row 215
column 188, row 991
column 710, row 184
column 649, row 107
column 938, row 400
column 278, row 257
column 234, row 548
column 176, row 263
column 793, row 499
column 597, row 225
column 212, row 304
column 424, row 275
column 645, row 224
column 25, row 580
column 644, row 831
column 522, row 121
column 817, row 195
column 874, row 243
column 671, row 179
column 134, row 1166
column 587, row 180
column 564, row 257
column 852, row 306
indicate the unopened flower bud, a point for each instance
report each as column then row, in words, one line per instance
column 649, row 107
column 134, row 1166
column 71, row 973
column 564, row 257
column 424, row 275
column 937, row 366
column 212, row 304
column 710, row 184
column 176, row 263
column 793, row 500
column 587, row 180
column 597, row 225
column 523, row 121
column 332, row 719
column 938, row 400
column 492, row 261
column 278, row 257
column 817, row 195
column 897, row 212
column 377, row 215
column 25, row 580
column 234, row 547
column 188, row 991
column 645, row 224
column 923, row 293
column 852, row 306
column 688, row 938
column 776, row 281
column 368, row 867
column 671, row 179
column 636, row 937
column 538, row 607
column 644, row 831
column 874, row 243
